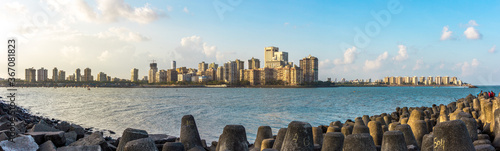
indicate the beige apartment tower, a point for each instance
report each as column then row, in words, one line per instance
column 134, row 75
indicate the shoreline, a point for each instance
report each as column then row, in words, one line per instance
column 42, row 129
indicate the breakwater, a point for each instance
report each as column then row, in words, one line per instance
column 470, row 123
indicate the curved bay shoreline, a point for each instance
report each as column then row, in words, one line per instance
column 470, row 123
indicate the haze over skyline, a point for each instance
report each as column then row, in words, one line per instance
column 352, row 39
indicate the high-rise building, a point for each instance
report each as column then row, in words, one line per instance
column 240, row 66
column 421, row 79
column 101, row 76
column 171, row 75
column 273, row 58
column 220, row 73
column 62, row 75
column 54, row 75
column 230, row 72
column 202, row 66
column 211, row 74
column 414, row 80
column 439, row 80
column 78, row 75
column 253, row 63
column 174, row 66
column 30, row 75
column 161, row 76
column 309, row 66
column 152, row 72
column 42, row 75
column 71, row 77
column 134, row 75
column 87, row 75
column 446, row 80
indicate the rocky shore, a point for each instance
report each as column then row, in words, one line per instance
column 470, row 123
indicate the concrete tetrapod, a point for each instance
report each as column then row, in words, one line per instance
column 189, row 132
column 333, row 141
column 452, row 136
column 393, row 141
column 359, row 142
column 298, row 137
column 233, row 138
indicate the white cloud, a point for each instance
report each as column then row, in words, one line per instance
column 185, row 10
column 194, row 48
column 441, row 66
column 349, row 57
column 469, row 69
column 106, row 11
column 473, row 23
column 471, row 32
column 71, row 54
column 104, row 56
column 376, row 64
column 493, row 49
column 286, row 24
column 446, row 33
column 421, row 65
column 170, row 8
column 402, row 53
column 123, row 34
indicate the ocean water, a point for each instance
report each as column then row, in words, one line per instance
column 159, row 110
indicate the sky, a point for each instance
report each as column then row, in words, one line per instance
column 351, row 39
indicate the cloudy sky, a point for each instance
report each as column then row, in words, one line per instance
column 352, row 39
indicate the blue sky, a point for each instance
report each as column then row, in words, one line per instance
column 411, row 38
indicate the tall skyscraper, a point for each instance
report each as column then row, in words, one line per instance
column 230, row 72
column 30, row 75
column 202, row 66
column 134, row 75
column 101, row 76
column 220, row 73
column 253, row 63
column 42, row 75
column 161, row 76
column 152, row 72
column 62, row 75
column 309, row 66
column 78, row 75
column 273, row 58
column 54, row 75
column 87, row 75
column 174, row 65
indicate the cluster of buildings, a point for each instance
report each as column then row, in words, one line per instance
column 438, row 80
column 41, row 75
column 276, row 69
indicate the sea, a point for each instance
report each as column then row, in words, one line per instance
column 159, row 110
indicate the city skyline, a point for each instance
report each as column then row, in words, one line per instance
column 354, row 39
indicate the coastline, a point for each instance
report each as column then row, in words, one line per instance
column 434, row 117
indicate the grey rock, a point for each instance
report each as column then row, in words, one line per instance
column 56, row 137
column 80, row 148
column 484, row 147
column 130, row 134
column 173, row 146
column 93, row 139
column 70, row 137
column 48, row 146
column 22, row 143
column 142, row 144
